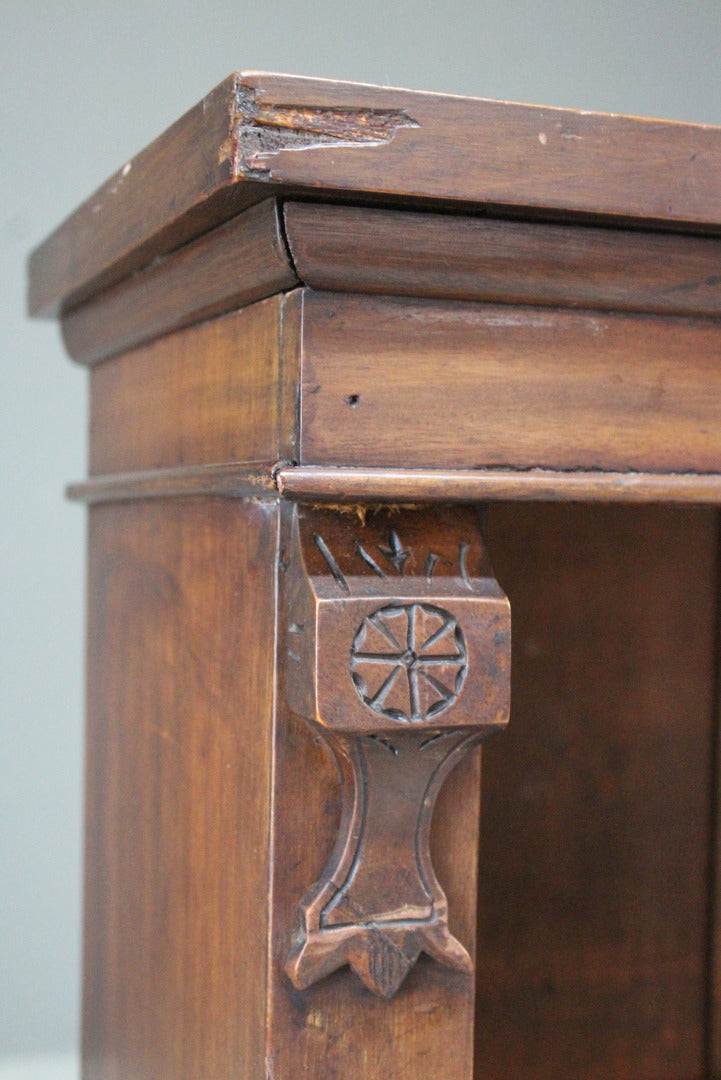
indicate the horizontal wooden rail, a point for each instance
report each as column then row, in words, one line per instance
column 308, row 483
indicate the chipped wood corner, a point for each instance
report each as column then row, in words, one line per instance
column 261, row 129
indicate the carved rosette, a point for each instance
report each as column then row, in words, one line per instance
column 398, row 644
column 408, row 661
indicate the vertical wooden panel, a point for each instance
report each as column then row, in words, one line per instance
column 336, row 1028
column 180, row 715
column 597, row 800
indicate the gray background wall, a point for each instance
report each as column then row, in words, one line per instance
column 83, row 86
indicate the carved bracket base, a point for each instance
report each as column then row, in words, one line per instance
column 398, row 646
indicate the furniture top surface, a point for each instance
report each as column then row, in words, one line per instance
column 259, row 134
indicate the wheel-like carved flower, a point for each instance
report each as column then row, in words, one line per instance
column 408, row 661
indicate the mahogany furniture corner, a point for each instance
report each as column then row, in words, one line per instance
column 371, row 370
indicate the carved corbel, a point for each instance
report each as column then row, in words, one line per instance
column 398, row 646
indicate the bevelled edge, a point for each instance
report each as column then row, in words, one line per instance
column 257, row 134
column 236, row 264
column 359, row 487
column 461, row 257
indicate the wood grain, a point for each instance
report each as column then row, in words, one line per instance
column 434, row 356
column 180, row 729
column 185, row 804
column 291, row 344
column 491, row 152
column 596, row 802
column 359, row 249
column 207, row 395
column 234, row 265
column 259, row 134
column 584, row 915
column 455, row 385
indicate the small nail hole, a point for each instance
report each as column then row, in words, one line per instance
column 353, row 400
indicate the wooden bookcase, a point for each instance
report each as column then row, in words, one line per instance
column 349, row 347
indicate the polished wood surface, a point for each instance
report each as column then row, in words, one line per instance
column 336, row 1028
column 357, row 487
column 187, row 799
column 453, row 385
column 248, row 480
column 564, row 938
column 259, row 134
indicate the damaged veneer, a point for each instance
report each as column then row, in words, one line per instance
column 260, row 130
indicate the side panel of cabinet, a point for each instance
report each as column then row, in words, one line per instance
column 181, row 704
column 220, row 391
